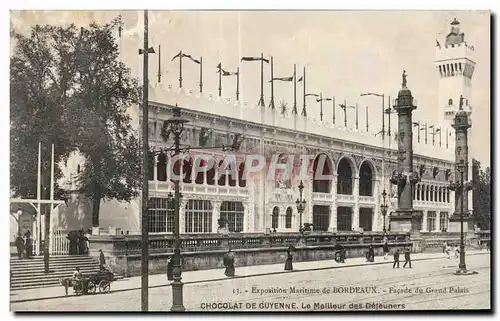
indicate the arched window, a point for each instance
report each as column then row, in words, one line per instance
column 233, row 213
column 222, row 175
column 321, row 185
column 418, row 192
column 288, row 218
column 431, row 194
column 200, row 176
column 365, row 180
column 436, row 193
column 161, row 168
column 426, row 193
column 242, row 181
column 447, row 196
column 176, row 168
column 440, row 194
column 275, row 217
column 160, row 215
column 344, row 177
column 450, row 102
column 187, row 168
column 151, row 164
column 198, row 216
column 211, row 175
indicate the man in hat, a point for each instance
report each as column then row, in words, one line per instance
column 229, row 263
column 407, row 258
column 396, row 259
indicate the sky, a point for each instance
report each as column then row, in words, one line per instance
column 346, row 53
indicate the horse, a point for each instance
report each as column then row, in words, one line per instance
column 66, row 283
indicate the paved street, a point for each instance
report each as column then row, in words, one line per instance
column 430, row 284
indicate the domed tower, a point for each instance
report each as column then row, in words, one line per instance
column 455, row 66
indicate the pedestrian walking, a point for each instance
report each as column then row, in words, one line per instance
column 289, row 258
column 386, row 250
column 444, row 247
column 448, row 251
column 102, row 260
column 19, row 246
column 229, row 263
column 396, row 259
column 457, row 253
column 371, row 253
column 28, row 245
column 407, row 258
column 170, row 269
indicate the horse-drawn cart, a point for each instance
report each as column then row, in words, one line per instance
column 99, row 282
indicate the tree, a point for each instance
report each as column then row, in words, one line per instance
column 68, row 88
column 103, row 131
column 41, row 79
column 481, row 180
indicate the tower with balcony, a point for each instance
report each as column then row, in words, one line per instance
column 455, row 65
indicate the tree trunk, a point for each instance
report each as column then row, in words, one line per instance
column 96, row 204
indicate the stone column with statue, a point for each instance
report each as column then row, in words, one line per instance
column 461, row 124
column 405, row 218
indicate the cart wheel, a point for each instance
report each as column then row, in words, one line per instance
column 92, row 287
column 104, row 286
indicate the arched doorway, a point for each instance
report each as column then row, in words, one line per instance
column 288, row 218
column 366, row 179
column 344, row 177
column 275, row 217
column 322, row 162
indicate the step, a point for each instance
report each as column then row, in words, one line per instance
column 71, row 269
column 52, row 262
column 42, row 265
column 88, row 271
column 51, row 259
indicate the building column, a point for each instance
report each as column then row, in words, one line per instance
column 307, row 216
column 215, row 215
column 333, row 207
column 377, row 192
column 424, row 221
column 355, row 214
column 182, row 215
column 155, row 171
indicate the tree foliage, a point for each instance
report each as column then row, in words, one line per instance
column 69, row 88
column 481, row 195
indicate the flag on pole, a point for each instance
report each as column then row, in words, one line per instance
column 191, row 57
column 225, row 73
column 282, row 79
column 176, row 56
column 254, row 59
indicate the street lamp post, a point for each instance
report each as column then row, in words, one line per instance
column 461, row 188
column 383, row 208
column 176, row 126
column 300, row 207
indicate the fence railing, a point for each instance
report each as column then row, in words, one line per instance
column 59, row 243
column 131, row 244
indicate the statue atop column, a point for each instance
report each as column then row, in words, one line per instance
column 404, row 79
column 461, row 105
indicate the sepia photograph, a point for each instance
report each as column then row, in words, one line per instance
column 250, row 161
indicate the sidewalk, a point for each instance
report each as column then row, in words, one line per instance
column 189, row 277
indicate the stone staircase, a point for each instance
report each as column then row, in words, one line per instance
column 30, row 273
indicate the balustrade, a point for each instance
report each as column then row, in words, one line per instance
column 204, row 242
column 189, row 188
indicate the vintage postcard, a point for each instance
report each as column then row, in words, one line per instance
column 250, row 161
